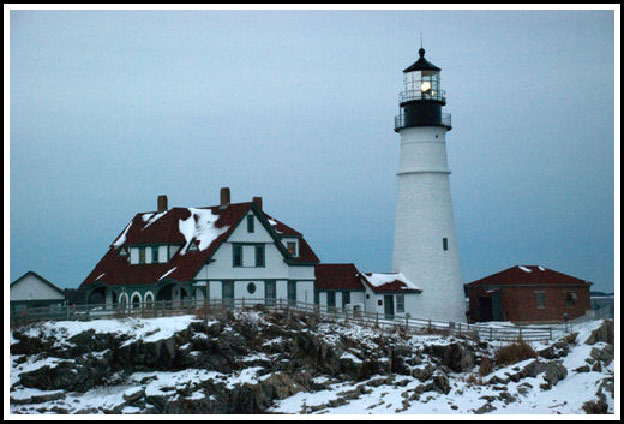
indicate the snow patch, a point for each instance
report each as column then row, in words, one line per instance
column 122, row 238
column 167, row 273
column 200, row 226
column 378, row 280
column 525, row 269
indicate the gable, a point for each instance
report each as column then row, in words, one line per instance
column 33, row 287
column 528, row 275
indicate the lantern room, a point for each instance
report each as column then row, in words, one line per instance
column 422, row 99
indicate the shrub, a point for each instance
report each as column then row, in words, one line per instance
column 471, row 379
column 486, row 366
column 515, row 352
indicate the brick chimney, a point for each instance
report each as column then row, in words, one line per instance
column 161, row 203
column 258, row 201
column 225, row 197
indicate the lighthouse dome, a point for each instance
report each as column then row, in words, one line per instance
column 421, row 64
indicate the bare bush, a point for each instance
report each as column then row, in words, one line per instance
column 514, row 352
column 486, row 366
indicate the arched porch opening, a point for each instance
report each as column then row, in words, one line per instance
column 135, row 300
column 173, row 294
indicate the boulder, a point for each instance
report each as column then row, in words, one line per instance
column 604, row 333
column 605, row 354
column 457, row 356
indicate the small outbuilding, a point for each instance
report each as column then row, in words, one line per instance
column 527, row 293
column 337, row 286
column 31, row 290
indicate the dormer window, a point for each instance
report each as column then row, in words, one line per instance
column 123, row 252
column 292, row 247
column 193, row 247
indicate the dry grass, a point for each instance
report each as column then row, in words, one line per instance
column 486, row 366
column 514, row 352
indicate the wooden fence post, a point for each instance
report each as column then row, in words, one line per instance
column 377, row 319
column 491, row 332
column 550, row 328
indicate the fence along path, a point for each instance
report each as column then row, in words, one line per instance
column 161, row 308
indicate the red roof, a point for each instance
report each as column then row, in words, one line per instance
column 528, row 274
column 114, row 269
column 336, row 277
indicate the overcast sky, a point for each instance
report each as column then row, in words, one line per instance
column 111, row 109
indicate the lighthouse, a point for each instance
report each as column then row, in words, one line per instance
column 425, row 244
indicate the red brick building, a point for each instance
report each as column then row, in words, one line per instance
column 527, row 293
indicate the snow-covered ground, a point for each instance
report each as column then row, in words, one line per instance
column 381, row 396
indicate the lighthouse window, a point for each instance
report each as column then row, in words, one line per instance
column 445, row 243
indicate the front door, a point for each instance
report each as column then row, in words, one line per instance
column 389, row 306
column 497, row 307
column 228, row 293
column 269, row 292
column 485, row 309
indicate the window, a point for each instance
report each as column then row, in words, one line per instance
column 238, row 255
column 260, row 256
column 292, row 293
column 540, row 300
column 154, row 254
column 346, row 299
column 251, row 287
column 250, row 223
column 141, row 255
column 331, row 299
column 445, row 243
column 291, row 245
column 400, row 303
column 570, row 299
column 380, row 302
column 367, row 296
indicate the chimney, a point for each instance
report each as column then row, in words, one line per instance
column 225, row 197
column 258, row 201
column 161, row 203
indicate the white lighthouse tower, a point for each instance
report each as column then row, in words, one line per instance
column 425, row 244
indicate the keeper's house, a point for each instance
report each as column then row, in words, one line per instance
column 32, row 290
column 527, row 293
column 229, row 251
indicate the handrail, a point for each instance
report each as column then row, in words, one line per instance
column 323, row 312
column 411, row 95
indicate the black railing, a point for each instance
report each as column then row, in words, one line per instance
column 445, row 121
column 412, row 95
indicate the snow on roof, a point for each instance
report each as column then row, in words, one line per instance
column 150, row 218
column 384, row 281
column 378, row 280
column 167, row 273
column 541, row 268
column 122, row 237
column 525, row 269
column 200, row 226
